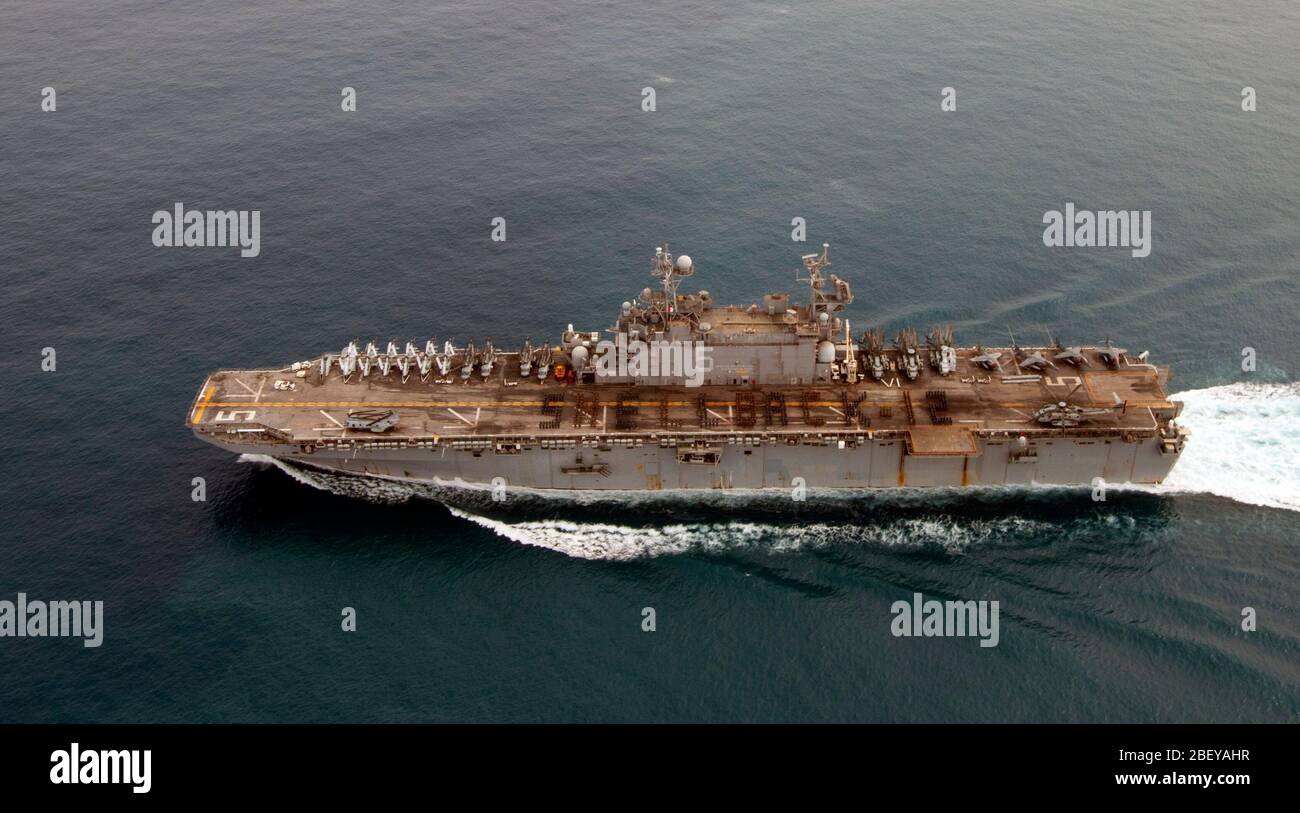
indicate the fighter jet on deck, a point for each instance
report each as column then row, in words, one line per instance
column 1028, row 361
column 1110, row 353
column 1073, row 355
column 991, row 360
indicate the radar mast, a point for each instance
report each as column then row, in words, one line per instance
column 670, row 273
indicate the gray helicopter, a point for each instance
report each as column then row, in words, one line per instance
column 467, row 363
column 942, row 350
column 906, row 345
column 1063, row 413
column 544, row 358
column 486, row 359
column 873, row 344
column 526, row 356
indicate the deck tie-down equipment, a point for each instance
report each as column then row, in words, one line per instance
column 552, row 407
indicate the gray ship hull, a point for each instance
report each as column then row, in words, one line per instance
column 757, row 463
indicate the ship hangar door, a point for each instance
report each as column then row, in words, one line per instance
column 775, row 472
column 649, row 466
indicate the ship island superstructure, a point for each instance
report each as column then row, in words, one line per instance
column 683, row 393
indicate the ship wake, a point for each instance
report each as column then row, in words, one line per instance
column 1245, row 446
column 597, row 540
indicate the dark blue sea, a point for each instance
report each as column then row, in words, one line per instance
column 377, row 224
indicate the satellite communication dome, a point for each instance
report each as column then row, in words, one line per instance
column 683, row 263
column 825, row 352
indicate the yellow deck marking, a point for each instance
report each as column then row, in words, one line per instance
column 207, row 397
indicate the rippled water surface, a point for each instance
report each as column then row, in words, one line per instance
column 376, row 224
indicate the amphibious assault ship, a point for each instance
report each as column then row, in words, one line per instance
column 684, row 393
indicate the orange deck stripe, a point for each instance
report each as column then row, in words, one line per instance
column 207, row 397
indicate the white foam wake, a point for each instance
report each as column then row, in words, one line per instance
column 1245, row 444
column 586, row 540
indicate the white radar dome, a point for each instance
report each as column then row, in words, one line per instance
column 825, row 352
column 684, row 262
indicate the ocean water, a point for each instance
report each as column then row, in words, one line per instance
column 377, row 223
